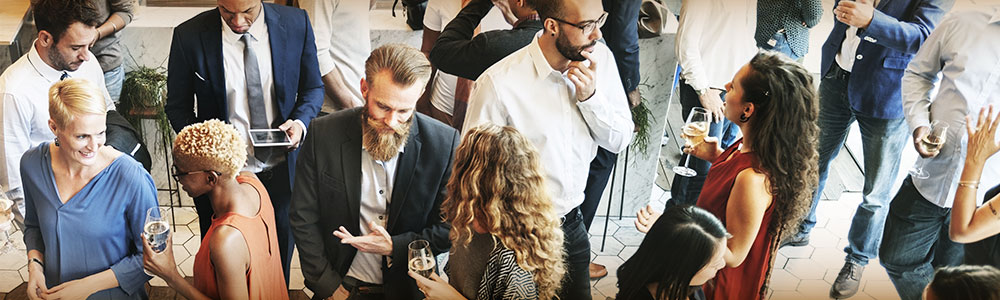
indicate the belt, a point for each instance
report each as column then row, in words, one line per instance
column 573, row 215
column 837, row 72
column 353, row 285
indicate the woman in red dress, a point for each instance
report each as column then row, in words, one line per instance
column 762, row 185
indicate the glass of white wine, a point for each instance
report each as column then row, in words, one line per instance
column 693, row 132
column 156, row 229
column 6, row 223
column 421, row 260
column 931, row 143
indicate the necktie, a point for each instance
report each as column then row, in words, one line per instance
column 64, row 76
column 255, row 95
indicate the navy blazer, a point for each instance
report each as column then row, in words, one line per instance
column 195, row 72
column 895, row 34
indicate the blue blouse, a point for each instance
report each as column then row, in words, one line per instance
column 97, row 229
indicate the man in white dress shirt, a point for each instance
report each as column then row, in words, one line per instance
column 61, row 50
column 562, row 92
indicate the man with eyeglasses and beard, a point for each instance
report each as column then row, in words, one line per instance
column 564, row 94
column 369, row 181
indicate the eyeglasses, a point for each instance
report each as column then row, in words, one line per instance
column 586, row 26
column 177, row 174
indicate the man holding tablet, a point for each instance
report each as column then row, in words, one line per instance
column 253, row 65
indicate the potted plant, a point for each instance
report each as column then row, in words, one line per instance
column 143, row 95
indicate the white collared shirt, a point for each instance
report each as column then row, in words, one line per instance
column 343, row 40
column 24, row 87
column 963, row 50
column 375, row 198
column 715, row 38
column 849, row 48
column 523, row 91
column 236, row 85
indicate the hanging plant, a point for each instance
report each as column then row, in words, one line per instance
column 143, row 95
column 643, row 119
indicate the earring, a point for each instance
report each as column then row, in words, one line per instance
column 744, row 118
column 57, row 142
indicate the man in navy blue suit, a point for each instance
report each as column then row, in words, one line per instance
column 862, row 66
column 252, row 65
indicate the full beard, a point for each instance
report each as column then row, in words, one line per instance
column 383, row 145
column 571, row 51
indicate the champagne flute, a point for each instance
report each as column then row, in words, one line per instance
column 156, row 229
column 6, row 223
column 421, row 260
column 931, row 143
column 694, row 132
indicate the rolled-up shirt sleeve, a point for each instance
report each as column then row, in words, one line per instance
column 606, row 113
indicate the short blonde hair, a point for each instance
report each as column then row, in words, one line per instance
column 406, row 64
column 212, row 145
column 73, row 97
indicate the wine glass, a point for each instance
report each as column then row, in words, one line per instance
column 6, row 223
column 931, row 143
column 421, row 260
column 694, row 132
column 156, row 229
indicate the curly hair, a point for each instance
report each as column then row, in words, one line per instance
column 73, row 97
column 497, row 182
column 784, row 134
column 211, row 145
column 55, row 16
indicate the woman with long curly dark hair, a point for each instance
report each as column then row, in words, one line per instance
column 506, row 240
column 762, row 185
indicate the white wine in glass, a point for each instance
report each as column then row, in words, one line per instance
column 421, row 260
column 156, row 229
column 931, row 143
column 695, row 130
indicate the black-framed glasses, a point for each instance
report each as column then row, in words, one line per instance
column 586, row 26
column 177, row 174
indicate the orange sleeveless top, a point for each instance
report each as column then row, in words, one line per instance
column 265, row 279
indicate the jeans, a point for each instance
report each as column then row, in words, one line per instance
column 597, row 182
column 916, row 242
column 685, row 190
column 113, row 79
column 882, row 140
column 577, row 245
column 780, row 45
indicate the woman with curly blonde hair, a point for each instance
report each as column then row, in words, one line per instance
column 239, row 257
column 506, row 240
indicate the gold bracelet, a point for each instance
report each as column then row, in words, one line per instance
column 973, row 184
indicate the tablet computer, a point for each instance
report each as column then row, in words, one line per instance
column 269, row 138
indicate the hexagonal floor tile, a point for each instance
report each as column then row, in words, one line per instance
column 597, row 228
column 193, row 245
column 880, row 289
column 805, row 268
column 797, row 252
column 630, row 236
column 181, row 234
column 781, row 280
column 786, row 295
column 814, row 289
column 610, row 262
column 607, row 286
column 13, row 260
column 9, row 279
column 611, row 246
column 627, row 252
column 821, row 237
column 295, row 279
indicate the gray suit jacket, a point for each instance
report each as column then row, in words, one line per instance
column 327, row 195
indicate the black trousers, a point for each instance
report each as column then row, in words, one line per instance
column 276, row 181
column 577, row 244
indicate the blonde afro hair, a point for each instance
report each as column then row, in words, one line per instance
column 212, row 145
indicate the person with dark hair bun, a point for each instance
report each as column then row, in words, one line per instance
column 964, row 282
column 647, row 275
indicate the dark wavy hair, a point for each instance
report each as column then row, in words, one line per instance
column 784, row 134
column 966, row 282
column 55, row 16
column 680, row 243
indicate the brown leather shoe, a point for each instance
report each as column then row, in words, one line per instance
column 597, row 271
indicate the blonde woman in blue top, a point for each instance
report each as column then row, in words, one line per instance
column 85, row 204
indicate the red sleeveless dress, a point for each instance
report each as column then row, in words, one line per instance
column 747, row 280
column 265, row 279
